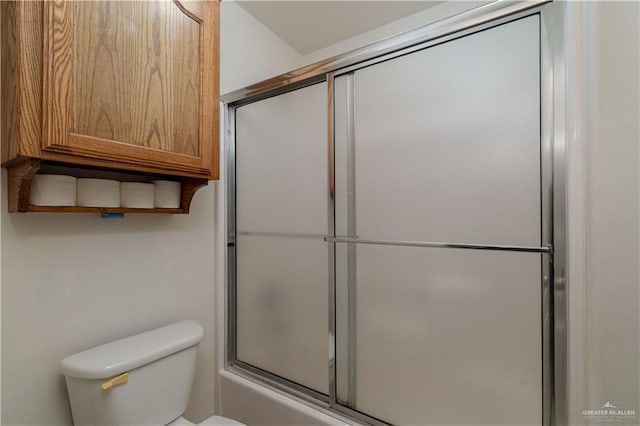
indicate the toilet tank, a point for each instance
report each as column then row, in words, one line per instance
column 153, row 374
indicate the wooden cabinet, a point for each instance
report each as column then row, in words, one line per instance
column 118, row 85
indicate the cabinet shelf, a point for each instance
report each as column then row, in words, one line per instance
column 78, row 209
column 21, row 174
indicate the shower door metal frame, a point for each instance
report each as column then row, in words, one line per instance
column 553, row 192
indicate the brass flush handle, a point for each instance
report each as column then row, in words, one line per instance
column 118, row 380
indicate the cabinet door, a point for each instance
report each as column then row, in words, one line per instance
column 133, row 82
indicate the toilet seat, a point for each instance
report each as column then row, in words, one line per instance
column 211, row 421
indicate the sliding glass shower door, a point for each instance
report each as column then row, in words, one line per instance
column 398, row 205
column 281, row 217
column 441, row 145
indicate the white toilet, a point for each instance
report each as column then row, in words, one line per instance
column 139, row 380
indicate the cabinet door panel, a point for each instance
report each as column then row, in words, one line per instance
column 124, row 88
column 132, row 82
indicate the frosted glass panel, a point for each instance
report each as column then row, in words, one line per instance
column 282, row 307
column 447, row 141
column 448, row 336
column 281, row 216
column 281, row 163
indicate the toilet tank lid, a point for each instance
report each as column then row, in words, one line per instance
column 123, row 355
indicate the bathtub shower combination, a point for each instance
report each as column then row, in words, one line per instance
column 401, row 198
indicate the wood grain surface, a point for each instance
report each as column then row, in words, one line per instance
column 57, row 72
column 21, row 80
column 19, row 178
column 120, row 85
column 136, row 74
column 30, row 87
column 134, row 83
column 9, row 81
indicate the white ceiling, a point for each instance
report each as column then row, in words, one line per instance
column 310, row 25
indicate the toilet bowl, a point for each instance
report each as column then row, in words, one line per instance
column 139, row 380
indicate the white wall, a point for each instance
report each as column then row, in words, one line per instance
column 613, row 204
column 250, row 52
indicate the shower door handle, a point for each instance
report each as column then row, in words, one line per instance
column 431, row 244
